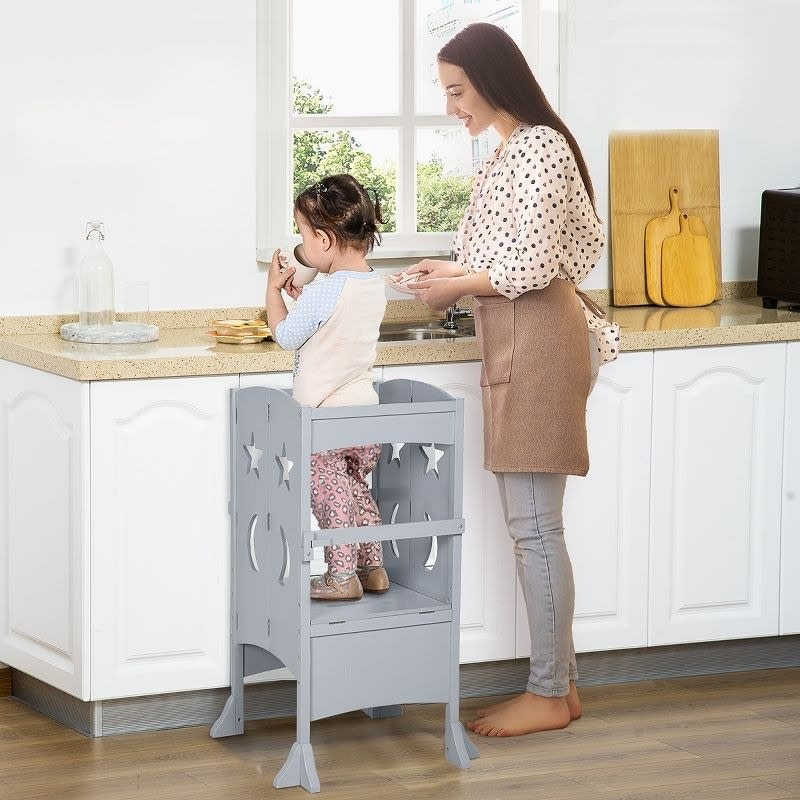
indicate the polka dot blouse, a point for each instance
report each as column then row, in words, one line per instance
column 530, row 220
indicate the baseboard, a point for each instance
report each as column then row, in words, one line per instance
column 277, row 699
column 5, row 681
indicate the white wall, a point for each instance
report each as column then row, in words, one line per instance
column 725, row 64
column 143, row 114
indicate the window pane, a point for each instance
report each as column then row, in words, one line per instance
column 447, row 158
column 348, row 51
column 437, row 22
column 369, row 154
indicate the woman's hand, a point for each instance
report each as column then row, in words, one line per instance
column 431, row 268
column 438, row 293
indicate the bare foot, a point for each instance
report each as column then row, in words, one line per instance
column 527, row 713
column 573, row 703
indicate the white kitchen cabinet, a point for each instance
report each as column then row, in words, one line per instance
column 716, row 492
column 160, row 535
column 44, row 526
column 606, row 514
column 488, row 578
column 790, row 535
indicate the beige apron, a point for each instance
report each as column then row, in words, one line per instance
column 535, row 380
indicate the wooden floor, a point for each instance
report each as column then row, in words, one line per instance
column 731, row 737
column 5, row 681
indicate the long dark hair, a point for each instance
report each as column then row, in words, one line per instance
column 341, row 206
column 499, row 72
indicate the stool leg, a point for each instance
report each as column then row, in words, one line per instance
column 458, row 748
column 299, row 768
column 231, row 721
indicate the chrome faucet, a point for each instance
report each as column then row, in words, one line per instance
column 453, row 312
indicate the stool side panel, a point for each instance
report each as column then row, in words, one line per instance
column 288, row 495
column 250, row 516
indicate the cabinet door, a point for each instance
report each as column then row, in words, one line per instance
column 607, row 514
column 716, row 492
column 790, row 538
column 488, row 579
column 160, row 535
column 44, row 526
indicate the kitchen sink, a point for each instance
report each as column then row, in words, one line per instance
column 424, row 331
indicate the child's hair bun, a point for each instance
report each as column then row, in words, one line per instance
column 341, row 206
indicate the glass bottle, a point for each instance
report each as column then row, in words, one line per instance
column 95, row 280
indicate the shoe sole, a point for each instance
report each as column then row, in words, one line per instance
column 337, row 598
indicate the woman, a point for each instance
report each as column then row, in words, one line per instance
column 529, row 236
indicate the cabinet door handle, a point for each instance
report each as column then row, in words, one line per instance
column 287, row 564
column 253, row 559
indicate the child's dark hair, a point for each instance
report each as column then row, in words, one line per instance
column 340, row 206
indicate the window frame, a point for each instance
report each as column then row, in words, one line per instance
column 275, row 123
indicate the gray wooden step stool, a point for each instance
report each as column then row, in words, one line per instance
column 386, row 649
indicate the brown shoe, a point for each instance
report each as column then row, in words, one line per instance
column 326, row 587
column 373, row 579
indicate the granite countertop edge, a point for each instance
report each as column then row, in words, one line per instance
column 185, row 352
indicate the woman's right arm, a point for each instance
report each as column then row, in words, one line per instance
column 431, row 268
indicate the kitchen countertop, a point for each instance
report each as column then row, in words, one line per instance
column 183, row 351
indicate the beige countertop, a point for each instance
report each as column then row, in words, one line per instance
column 187, row 350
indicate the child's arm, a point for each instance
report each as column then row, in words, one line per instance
column 276, row 280
column 314, row 306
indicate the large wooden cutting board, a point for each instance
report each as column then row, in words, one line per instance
column 643, row 166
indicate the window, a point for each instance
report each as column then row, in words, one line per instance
column 351, row 86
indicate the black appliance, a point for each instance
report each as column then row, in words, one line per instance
column 779, row 247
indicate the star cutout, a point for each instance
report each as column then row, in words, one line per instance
column 396, row 448
column 286, row 467
column 255, row 455
column 433, row 455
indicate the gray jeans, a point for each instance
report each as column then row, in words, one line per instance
column 533, row 505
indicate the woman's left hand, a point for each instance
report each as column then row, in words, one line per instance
column 438, row 293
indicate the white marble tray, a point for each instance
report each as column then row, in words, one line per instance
column 117, row 333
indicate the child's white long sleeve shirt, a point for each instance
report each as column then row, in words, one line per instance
column 333, row 329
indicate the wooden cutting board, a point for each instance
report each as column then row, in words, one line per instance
column 655, row 232
column 687, row 268
column 643, row 166
column 658, row 229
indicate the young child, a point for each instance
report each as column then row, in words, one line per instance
column 333, row 329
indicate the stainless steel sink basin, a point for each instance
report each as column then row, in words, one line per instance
column 424, row 331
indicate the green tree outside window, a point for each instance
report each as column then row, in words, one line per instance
column 441, row 197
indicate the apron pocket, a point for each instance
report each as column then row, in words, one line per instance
column 494, row 329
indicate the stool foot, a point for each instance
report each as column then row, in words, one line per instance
column 231, row 721
column 458, row 748
column 298, row 769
